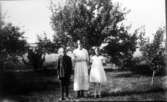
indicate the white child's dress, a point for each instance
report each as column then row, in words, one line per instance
column 97, row 73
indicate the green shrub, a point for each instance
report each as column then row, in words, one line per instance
column 140, row 66
column 51, row 65
column 35, row 59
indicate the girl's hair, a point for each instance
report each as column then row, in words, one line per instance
column 81, row 42
column 98, row 49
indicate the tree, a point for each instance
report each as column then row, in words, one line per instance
column 152, row 52
column 12, row 43
column 121, row 46
column 88, row 20
column 46, row 45
column 94, row 22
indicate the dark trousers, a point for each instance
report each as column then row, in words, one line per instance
column 64, row 86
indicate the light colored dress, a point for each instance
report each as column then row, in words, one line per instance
column 97, row 73
column 81, row 69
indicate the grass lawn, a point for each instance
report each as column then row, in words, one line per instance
column 121, row 86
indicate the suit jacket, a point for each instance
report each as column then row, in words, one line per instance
column 64, row 66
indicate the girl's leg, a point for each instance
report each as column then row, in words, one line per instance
column 99, row 86
column 95, row 90
column 78, row 94
column 82, row 93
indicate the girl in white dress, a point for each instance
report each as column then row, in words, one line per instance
column 97, row 73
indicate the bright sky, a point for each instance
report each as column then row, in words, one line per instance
column 33, row 16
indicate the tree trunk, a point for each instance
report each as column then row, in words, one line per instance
column 152, row 80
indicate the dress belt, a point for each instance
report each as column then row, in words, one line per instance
column 80, row 60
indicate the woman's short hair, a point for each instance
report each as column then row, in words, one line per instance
column 81, row 42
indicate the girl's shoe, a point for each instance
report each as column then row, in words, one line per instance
column 99, row 96
column 95, row 96
column 78, row 95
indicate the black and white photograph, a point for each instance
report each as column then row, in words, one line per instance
column 83, row 50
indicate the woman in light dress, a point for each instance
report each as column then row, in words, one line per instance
column 81, row 59
column 97, row 73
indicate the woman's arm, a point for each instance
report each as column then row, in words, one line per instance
column 87, row 57
column 103, row 60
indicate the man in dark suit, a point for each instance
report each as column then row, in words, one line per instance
column 64, row 69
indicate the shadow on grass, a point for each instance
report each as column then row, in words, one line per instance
column 128, row 93
column 115, row 70
column 21, row 83
column 135, row 72
column 126, row 75
column 145, row 70
column 121, row 73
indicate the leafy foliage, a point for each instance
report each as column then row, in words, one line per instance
column 121, row 46
column 94, row 22
column 151, row 50
column 152, row 59
column 12, row 43
column 91, row 21
column 12, row 40
column 46, row 45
